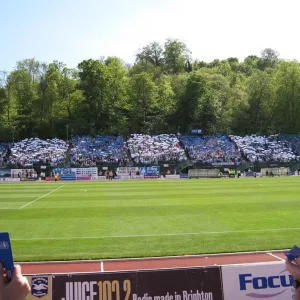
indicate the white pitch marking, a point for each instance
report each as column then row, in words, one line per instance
column 102, row 266
column 153, row 235
column 276, row 256
column 42, row 197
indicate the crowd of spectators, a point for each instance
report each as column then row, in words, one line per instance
column 34, row 150
column 91, row 151
column 211, row 149
column 292, row 142
column 146, row 149
column 264, row 149
column 3, row 153
column 88, row 151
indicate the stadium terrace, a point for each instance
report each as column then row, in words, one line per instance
column 140, row 149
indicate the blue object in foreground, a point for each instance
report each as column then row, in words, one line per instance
column 6, row 256
column 293, row 253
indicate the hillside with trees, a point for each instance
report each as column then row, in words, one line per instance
column 165, row 90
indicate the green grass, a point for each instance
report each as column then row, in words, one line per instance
column 89, row 220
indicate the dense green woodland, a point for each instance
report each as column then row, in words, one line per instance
column 164, row 91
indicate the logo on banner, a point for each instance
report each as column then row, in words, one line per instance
column 4, row 245
column 39, row 287
column 262, row 283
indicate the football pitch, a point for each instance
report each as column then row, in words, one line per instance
column 96, row 219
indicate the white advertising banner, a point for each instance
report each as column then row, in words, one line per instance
column 12, row 179
column 263, row 281
column 172, row 176
column 81, row 172
column 127, row 177
column 126, row 171
column 229, row 163
column 15, row 172
column 99, row 178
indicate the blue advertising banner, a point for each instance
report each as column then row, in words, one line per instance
column 196, row 131
column 5, row 172
column 184, row 175
column 65, row 173
column 150, row 172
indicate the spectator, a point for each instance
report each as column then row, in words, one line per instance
column 211, row 149
column 292, row 142
column 146, row 149
column 30, row 151
column 88, row 151
column 17, row 289
column 3, row 153
column 294, row 269
column 263, row 149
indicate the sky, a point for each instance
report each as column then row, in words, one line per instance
column 73, row 30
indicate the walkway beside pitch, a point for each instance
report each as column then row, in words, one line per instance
column 111, row 265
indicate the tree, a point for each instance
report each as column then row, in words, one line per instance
column 94, row 79
column 208, row 103
column 214, row 111
column 287, row 105
column 176, row 54
column 239, row 104
column 25, row 92
column 270, row 58
column 152, row 53
column 48, row 96
column 163, row 91
column 199, row 64
column 234, row 63
column 261, row 103
column 70, row 96
column 250, row 65
column 150, row 60
column 188, row 66
column 61, row 99
column 215, row 63
column 188, row 102
column 143, row 97
column 117, row 109
column 165, row 105
column 7, row 100
column 33, row 67
column 224, row 69
column 145, row 67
